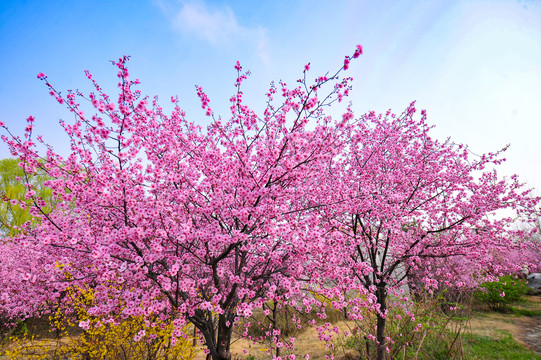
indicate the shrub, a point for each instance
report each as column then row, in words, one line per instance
column 498, row 295
column 120, row 337
column 417, row 329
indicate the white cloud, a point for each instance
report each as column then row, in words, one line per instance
column 262, row 45
column 216, row 25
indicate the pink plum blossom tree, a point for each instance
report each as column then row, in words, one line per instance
column 197, row 225
column 404, row 201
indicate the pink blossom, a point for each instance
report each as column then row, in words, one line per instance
column 358, row 51
column 346, row 63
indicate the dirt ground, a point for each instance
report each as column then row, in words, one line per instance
column 306, row 343
column 531, row 333
column 526, row 330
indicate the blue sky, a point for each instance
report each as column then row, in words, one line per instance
column 474, row 65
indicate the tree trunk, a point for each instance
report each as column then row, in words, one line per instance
column 218, row 340
column 224, row 338
column 381, row 295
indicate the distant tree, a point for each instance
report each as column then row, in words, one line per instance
column 15, row 206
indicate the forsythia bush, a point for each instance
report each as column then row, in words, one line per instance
column 133, row 337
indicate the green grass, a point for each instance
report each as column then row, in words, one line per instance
column 524, row 312
column 502, row 348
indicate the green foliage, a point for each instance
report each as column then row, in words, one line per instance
column 498, row 295
column 12, row 187
column 524, row 312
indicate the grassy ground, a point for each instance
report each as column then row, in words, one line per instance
column 497, row 335
column 485, row 335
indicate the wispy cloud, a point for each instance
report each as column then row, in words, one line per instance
column 216, row 25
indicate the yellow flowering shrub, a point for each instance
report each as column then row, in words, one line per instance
column 134, row 337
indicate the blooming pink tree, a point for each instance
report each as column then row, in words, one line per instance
column 403, row 200
column 160, row 216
